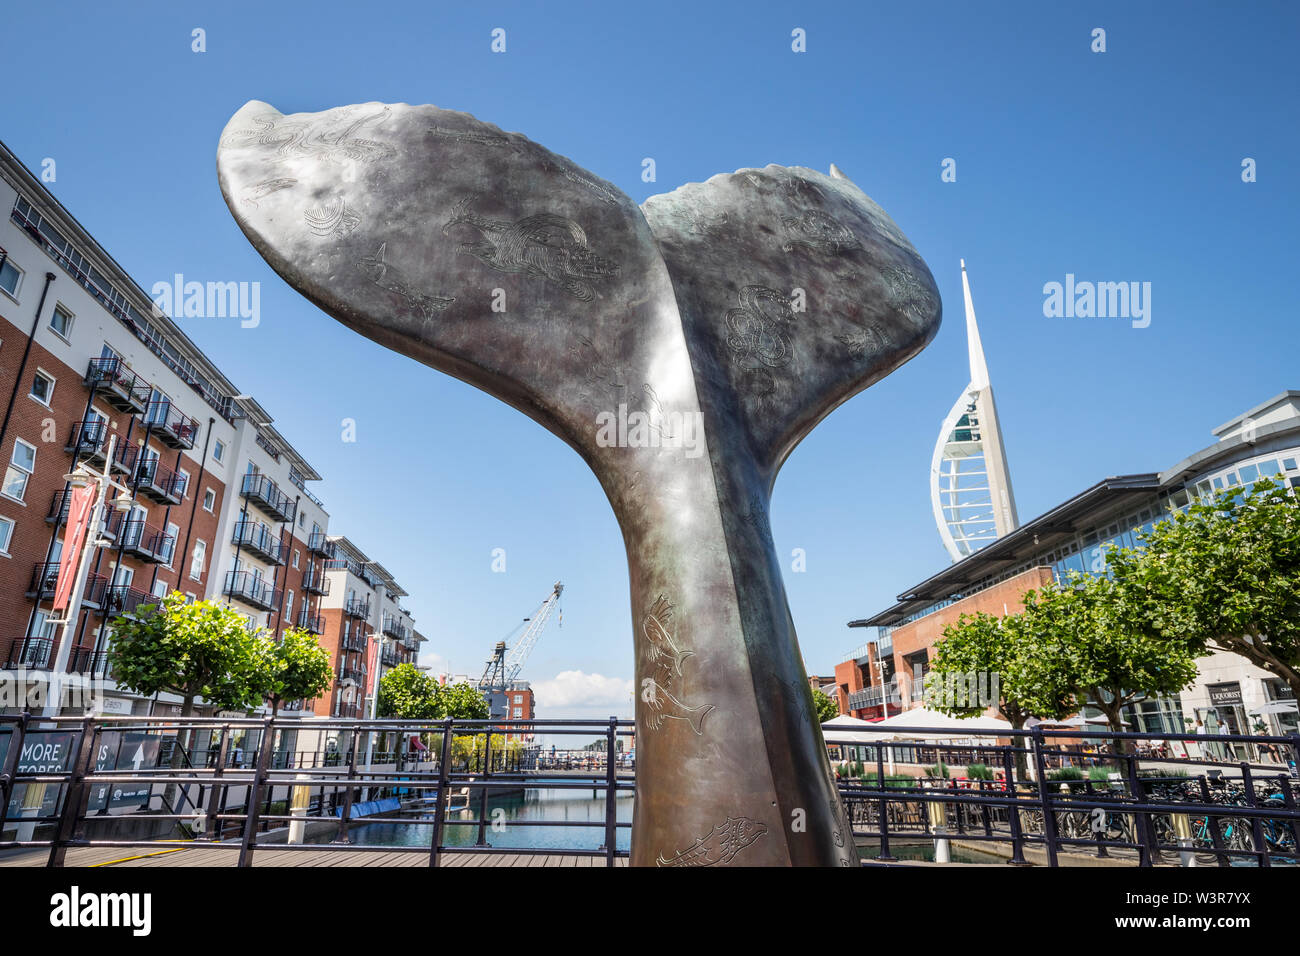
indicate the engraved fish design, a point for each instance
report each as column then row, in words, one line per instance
column 661, row 706
column 388, row 277
column 720, row 846
column 543, row 246
column 662, row 647
column 260, row 190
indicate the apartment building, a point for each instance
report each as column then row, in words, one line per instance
column 362, row 605
column 217, row 503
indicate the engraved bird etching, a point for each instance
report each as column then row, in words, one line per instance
column 403, row 222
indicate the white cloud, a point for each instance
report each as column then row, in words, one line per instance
column 570, row 691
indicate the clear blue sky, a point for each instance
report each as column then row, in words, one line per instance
column 1117, row 166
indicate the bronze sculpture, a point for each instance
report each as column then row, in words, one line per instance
column 682, row 348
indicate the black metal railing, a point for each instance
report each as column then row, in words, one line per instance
column 357, row 608
column 312, row 623
column 113, row 378
column 320, row 545
column 237, row 784
column 147, row 542
column 314, row 580
column 251, row 589
column 87, row 438
column 170, row 425
column 266, row 495
column 393, row 627
column 1056, row 794
column 259, row 539
column 155, row 480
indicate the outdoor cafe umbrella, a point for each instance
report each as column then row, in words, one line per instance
column 1276, row 707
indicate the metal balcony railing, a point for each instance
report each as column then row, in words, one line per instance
column 314, row 580
column 394, row 627
column 172, row 427
column 352, row 643
column 146, row 542
column 319, row 544
column 41, row 653
column 110, row 521
column 259, row 539
column 121, row 387
column 357, row 608
column 266, row 495
column 156, row 480
column 120, row 599
column 252, row 589
column 312, row 623
column 87, row 439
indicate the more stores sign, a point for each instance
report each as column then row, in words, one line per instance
column 51, row 751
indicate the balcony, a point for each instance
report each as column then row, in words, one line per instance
column 250, row 588
column 121, row 599
column 411, row 644
column 314, row 580
column 156, row 481
column 41, row 653
column 121, row 387
column 172, row 427
column 352, row 675
column 265, row 494
column 320, row 545
column 88, row 440
column 260, row 540
column 358, row 609
column 110, row 522
column 353, row 643
column 146, row 542
column 313, row 624
column 45, row 576
column 394, row 627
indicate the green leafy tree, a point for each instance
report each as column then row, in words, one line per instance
column 295, row 667
column 463, row 702
column 827, row 708
column 408, row 693
column 1225, row 574
column 193, row 650
column 1092, row 628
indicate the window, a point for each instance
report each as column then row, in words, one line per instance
column 160, row 589
column 209, row 499
column 42, row 387
column 1289, row 464
column 61, row 322
column 22, row 462
column 302, row 519
column 219, row 451
column 184, row 477
column 295, row 558
column 174, row 535
column 6, row 534
column 197, row 561
column 11, row 278
column 288, row 603
column 519, row 712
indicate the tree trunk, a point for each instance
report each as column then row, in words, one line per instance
column 178, row 756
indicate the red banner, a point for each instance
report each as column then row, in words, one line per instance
column 80, row 506
column 372, row 668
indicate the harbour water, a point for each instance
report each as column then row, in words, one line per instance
column 514, row 826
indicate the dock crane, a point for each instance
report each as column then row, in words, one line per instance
column 504, row 665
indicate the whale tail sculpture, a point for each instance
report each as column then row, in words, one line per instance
column 682, row 348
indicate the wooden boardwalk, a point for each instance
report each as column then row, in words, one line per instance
column 208, row 856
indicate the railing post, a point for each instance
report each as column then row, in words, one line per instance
column 1013, row 808
column 1256, row 825
column 210, row 822
column 1141, row 819
column 16, row 736
column 1044, row 799
column 483, row 791
column 255, row 793
column 883, row 854
column 611, row 784
column 1288, row 800
column 440, row 809
column 1212, row 825
column 74, row 801
column 345, row 817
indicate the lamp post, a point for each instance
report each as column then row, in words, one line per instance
column 80, row 477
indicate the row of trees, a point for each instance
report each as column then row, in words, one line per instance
column 1223, row 574
column 205, row 650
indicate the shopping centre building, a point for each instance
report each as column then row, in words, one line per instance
column 884, row 674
